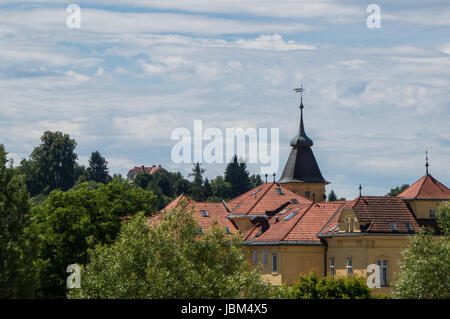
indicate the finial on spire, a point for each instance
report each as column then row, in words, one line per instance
column 273, row 177
column 426, row 161
column 266, row 177
column 300, row 90
column 301, row 140
column 360, row 190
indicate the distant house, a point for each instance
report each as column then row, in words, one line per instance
column 132, row 173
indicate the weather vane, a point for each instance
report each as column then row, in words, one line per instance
column 300, row 90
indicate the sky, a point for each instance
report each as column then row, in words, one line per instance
column 135, row 70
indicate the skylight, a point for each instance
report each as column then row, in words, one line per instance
column 280, row 191
column 255, row 192
column 204, row 213
column 294, row 201
column 408, row 226
column 290, row 216
column 284, row 211
column 393, row 226
column 228, row 231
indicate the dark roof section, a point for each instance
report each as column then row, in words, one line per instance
column 379, row 211
column 301, row 166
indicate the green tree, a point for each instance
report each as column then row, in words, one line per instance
column 255, row 180
column 397, row 190
column 207, row 188
column 98, row 168
column 197, row 189
column 220, row 188
column 52, row 164
column 14, row 210
column 142, row 180
column 425, row 265
column 237, row 175
column 332, row 196
column 170, row 260
column 311, row 287
column 69, row 223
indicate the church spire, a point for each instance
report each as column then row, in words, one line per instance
column 301, row 166
column 301, row 139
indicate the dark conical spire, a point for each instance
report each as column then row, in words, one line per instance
column 301, row 165
column 301, row 139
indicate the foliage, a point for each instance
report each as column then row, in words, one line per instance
column 98, row 168
column 197, row 189
column 397, row 190
column 220, row 188
column 255, row 180
column 332, row 196
column 311, row 287
column 425, row 264
column 237, row 175
column 69, row 223
column 52, row 164
column 170, row 260
column 14, row 210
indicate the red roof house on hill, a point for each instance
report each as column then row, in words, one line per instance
column 132, row 173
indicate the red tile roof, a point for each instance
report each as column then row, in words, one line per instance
column 148, row 170
column 379, row 211
column 262, row 198
column 426, row 187
column 309, row 220
column 215, row 211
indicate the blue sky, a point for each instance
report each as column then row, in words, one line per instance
column 136, row 70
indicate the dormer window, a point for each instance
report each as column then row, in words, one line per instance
column 408, row 227
column 393, row 226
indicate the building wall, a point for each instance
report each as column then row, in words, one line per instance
column 421, row 208
column 293, row 261
column 365, row 250
column 302, row 188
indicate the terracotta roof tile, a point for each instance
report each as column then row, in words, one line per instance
column 215, row 211
column 426, row 187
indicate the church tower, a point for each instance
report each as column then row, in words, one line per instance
column 301, row 173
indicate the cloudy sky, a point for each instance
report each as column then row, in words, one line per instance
column 376, row 99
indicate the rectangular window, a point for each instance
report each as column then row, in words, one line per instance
column 204, row 212
column 274, row 263
column 432, row 213
column 264, row 257
column 351, row 225
column 332, row 268
column 349, row 266
column 280, row 191
column 307, row 194
column 384, row 272
column 255, row 256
